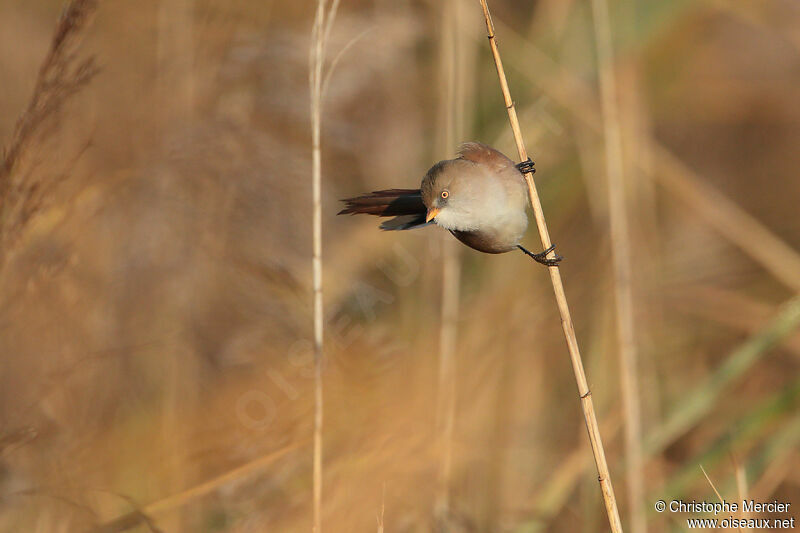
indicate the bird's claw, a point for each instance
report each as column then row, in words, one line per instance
column 542, row 258
column 526, row 166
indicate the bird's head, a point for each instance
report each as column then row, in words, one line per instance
column 450, row 195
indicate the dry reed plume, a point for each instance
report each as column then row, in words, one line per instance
column 61, row 75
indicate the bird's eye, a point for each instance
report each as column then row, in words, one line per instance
column 445, row 194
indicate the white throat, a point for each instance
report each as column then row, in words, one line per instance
column 452, row 219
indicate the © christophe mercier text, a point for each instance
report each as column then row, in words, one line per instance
column 747, row 506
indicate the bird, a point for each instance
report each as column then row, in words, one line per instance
column 480, row 197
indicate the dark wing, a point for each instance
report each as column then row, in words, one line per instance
column 403, row 204
column 405, row 222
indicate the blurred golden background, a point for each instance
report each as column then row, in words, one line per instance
column 156, row 323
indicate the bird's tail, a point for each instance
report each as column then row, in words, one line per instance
column 405, row 205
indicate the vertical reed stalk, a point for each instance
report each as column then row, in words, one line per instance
column 319, row 36
column 621, row 259
column 175, row 45
column 451, row 278
column 558, row 287
column 316, row 259
column 450, row 108
column 735, row 224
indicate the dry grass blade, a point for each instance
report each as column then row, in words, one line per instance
column 754, row 424
column 714, row 304
column 719, row 496
column 558, row 287
column 733, row 222
column 134, row 518
column 711, row 483
column 699, row 402
column 621, row 258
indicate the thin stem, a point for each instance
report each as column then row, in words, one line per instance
column 452, row 107
column 319, row 37
column 339, row 56
column 734, row 223
column 558, row 287
column 621, row 259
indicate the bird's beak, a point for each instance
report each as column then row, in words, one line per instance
column 431, row 214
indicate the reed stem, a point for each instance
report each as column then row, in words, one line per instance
column 452, row 111
column 621, row 263
column 320, row 34
column 585, row 394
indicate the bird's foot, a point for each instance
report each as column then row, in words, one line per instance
column 526, row 166
column 542, row 258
